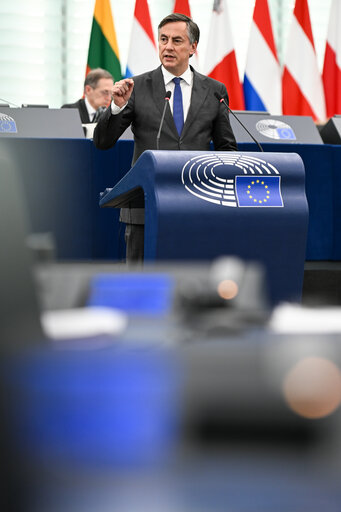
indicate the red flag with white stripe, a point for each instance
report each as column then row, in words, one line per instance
column 332, row 62
column 143, row 54
column 301, row 82
column 221, row 62
column 182, row 7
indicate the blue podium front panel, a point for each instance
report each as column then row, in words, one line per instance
column 200, row 205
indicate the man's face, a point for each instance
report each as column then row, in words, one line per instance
column 100, row 96
column 175, row 47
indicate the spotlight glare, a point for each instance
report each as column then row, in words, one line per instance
column 312, row 388
column 227, row 289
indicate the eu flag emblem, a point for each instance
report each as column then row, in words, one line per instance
column 7, row 125
column 259, row 191
column 286, row 133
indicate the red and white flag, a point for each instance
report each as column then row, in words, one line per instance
column 263, row 74
column 302, row 82
column 182, row 7
column 143, row 54
column 332, row 62
column 221, row 62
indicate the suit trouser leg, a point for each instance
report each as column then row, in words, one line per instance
column 134, row 238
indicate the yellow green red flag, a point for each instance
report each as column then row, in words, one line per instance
column 103, row 48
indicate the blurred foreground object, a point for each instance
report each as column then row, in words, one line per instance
column 231, row 296
column 202, row 426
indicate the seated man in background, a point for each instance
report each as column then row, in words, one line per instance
column 98, row 88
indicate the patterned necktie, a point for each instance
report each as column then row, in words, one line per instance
column 178, row 111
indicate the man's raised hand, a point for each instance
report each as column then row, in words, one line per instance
column 122, row 91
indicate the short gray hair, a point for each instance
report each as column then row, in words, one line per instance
column 95, row 75
column 192, row 28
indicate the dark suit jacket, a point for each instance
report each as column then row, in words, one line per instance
column 83, row 112
column 207, row 120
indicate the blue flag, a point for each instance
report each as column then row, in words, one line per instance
column 259, row 191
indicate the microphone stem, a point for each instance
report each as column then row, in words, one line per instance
column 161, row 123
column 10, row 103
column 234, row 115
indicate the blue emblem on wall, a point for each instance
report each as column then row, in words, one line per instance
column 7, row 124
column 259, row 191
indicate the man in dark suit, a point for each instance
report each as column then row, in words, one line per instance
column 98, row 87
column 140, row 102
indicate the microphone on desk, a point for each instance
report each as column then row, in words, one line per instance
column 167, row 98
column 222, row 100
column 7, row 103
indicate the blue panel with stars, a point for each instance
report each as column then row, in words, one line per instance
column 7, row 126
column 259, row 191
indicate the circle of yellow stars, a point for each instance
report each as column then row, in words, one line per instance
column 266, row 188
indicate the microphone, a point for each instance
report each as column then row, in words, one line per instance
column 222, row 100
column 7, row 103
column 167, row 98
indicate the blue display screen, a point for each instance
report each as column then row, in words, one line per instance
column 134, row 293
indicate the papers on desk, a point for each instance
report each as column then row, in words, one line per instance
column 89, row 130
column 293, row 318
column 83, row 323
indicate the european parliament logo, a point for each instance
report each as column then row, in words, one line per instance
column 7, row 124
column 275, row 129
column 233, row 179
column 259, row 192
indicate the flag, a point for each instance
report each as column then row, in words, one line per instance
column 142, row 55
column 103, row 48
column 262, row 79
column 302, row 87
column 182, row 7
column 220, row 62
column 332, row 62
column 260, row 192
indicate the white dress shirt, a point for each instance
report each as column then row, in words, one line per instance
column 186, row 85
column 90, row 109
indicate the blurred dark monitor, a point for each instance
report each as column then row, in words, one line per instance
column 331, row 131
column 19, row 309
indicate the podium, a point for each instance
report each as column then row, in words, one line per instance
column 201, row 205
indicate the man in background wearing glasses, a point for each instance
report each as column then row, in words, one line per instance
column 98, row 87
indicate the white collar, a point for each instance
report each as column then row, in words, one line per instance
column 89, row 107
column 187, row 76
